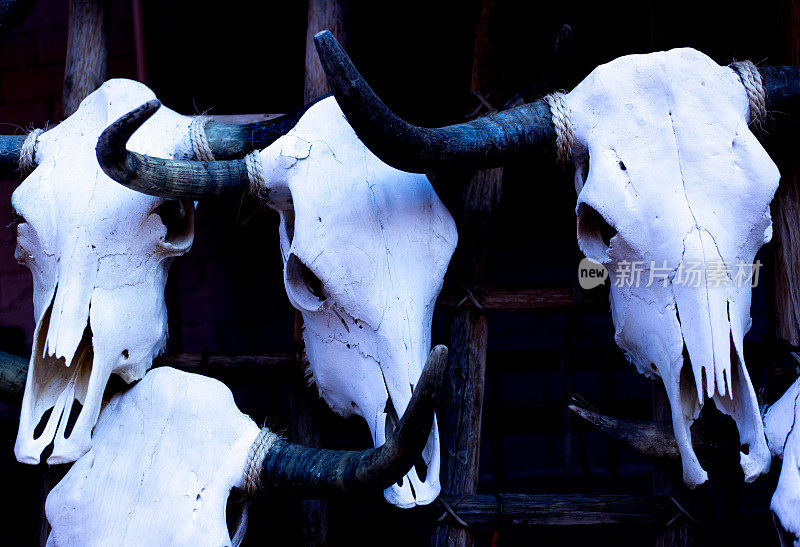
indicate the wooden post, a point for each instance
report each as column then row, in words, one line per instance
column 787, row 205
column 304, row 402
column 87, row 51
column 460, row 415
column 322, row 15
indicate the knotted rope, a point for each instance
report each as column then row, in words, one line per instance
column 197, row 136
column 255, row 173
column 560, row 114
column 27, row 154
column 251, row 481
column 753, row 85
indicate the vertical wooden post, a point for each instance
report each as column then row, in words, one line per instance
column 87, row 51
column 322, row 15
column 787, row 205
column 304, row 427
column 460, row 415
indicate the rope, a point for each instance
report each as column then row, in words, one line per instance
column 751, row 79
column 27, row 154
column 560, row 114
column 197, row 136
column 452, row 513
column 251, row 481
column 255, row 172
column 470, row 297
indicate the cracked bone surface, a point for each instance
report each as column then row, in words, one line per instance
column 783, row 437
column 99, row 255
column 365, row 249
column 669, row 175
column 164, row 457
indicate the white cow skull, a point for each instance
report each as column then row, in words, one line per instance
column 365, row 249
column 166, row 453
column 164, row 457
column 784, row 442
column 671, row 181
column 99, row 255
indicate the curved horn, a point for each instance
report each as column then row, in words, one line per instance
column 484, row 142
column 10, row 147
column 164, row 177
column 487, row 141
column 230, row 141
column 782, row 88
column 656, row 439
column 319, row 470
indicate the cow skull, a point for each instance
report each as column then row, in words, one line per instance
column 165, row 455
column 99, row 255
column 166, row 480
column 784, row 442
column 671, row 181
column 669, row 178
column 365, row 248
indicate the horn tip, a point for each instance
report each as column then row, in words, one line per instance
column 323, row 35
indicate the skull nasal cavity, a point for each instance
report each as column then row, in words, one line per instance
column 594, row 230
column 312, row 282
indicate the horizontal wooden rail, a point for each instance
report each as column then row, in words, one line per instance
column 494, row 511
column 525, row 299
column 194, row 362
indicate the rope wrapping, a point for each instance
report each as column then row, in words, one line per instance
column 754, row 86
column 27, row 154
column 197, row 136
column 251, row 481
column 562, row 122
column 255, row 172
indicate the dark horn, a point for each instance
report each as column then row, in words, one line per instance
column 782, row 89
column 648, row 438
column 10, row 147
column 231, row 141
column 487, row 141
column 657, row 440
column 179, row 179
column 13, row 373
column 320, row 471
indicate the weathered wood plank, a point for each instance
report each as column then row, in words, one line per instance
column 786, row 206
column 490, row 511
column 87, row 51
column 526, row 299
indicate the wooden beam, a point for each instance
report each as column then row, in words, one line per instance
column 496, row 511
column 193, row 362
column 87, row 51
column 526, row 299
column 786, row 238
column 322, row 15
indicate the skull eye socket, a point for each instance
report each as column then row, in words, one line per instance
column 178, row 218
column 303, row 287
column 595, row 233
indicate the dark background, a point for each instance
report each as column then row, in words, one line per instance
column 227, row 294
